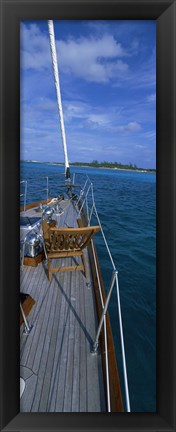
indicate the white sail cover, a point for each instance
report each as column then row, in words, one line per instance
column 58, row 93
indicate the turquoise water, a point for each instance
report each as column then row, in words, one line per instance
column 126, row 203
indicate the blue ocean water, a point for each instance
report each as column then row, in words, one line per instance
column 126, row 203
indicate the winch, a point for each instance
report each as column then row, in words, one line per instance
column 48, row 213
column 33, row 245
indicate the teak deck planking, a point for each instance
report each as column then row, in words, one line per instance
column 59, row 370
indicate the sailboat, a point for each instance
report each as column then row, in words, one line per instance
column 67, row 355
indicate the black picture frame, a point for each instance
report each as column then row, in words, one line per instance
column 165, row 14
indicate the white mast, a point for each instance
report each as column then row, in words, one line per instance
column 58, row 94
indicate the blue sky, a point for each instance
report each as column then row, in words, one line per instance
column 108, row 85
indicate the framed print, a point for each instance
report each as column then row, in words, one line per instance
column 23, row 25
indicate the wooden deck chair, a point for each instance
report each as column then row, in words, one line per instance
column 66, row 242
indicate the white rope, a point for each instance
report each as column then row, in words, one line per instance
column 58, row 93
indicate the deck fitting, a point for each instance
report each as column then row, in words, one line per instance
column 27, row 330
column 95, row 348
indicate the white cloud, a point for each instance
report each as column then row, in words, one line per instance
column 91, row 117
column 76, row 109
column 86, row 149
column 140, row 146
column 130, row 127
column 119, row 123
column 98, row 120
column 96, row 59
column 93, row 59
column 46, row 104
column 35, row 50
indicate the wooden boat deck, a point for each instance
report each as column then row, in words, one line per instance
column 60, row 373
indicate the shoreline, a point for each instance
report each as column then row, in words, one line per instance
column 140, row 170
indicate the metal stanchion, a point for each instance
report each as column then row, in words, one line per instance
column 27, row 326
column 95, row 345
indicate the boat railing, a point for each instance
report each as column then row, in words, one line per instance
column 24, row 195
column 89, row 206
column 28, row 194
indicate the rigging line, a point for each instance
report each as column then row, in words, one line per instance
column 97, row 216
column 58, row 94
column 82, row 192
column 107, row 247
column 123, row 348
column 85, row 198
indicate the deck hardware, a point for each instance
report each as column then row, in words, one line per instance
column 58, row 210
column 40, row 207
column 48, row 213
column 27, row 326
column 23, row 252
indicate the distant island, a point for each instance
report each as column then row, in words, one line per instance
column 104, row 164
column 113, row 165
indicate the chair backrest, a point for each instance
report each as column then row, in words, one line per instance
column 45, row 228
column 67, row 239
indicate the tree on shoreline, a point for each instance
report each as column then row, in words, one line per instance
column 118, row 165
